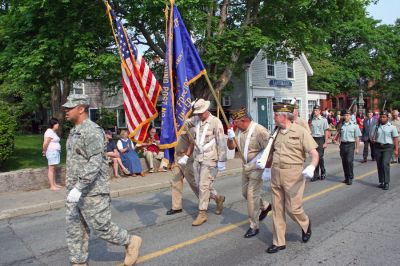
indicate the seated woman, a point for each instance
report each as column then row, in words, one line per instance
column 152, row 151
column 129, row 157
column 113, row 154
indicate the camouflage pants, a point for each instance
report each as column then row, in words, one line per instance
column 93, row 212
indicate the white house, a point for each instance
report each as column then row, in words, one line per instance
column 265, row 81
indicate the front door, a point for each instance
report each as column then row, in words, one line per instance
column 262, row 111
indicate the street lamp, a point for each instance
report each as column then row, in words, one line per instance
column 361, row 82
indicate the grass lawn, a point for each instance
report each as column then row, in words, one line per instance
column 28, row 153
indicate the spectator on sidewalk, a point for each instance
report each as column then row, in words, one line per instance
column 129, row 157
column 52, row 149
column 151, row 147
column 113, row 154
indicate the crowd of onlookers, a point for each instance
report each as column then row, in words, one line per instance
column 123, row 155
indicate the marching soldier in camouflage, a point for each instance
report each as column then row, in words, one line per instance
column 184, row 169
column 350, row 135
column 252, row 139
column 87, row 184
column 209, row 156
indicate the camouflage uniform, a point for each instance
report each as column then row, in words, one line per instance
column 87, row 170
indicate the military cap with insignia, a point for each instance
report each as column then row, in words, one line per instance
column 74, row 100
column 317, row 107
column 239, row 114
column 283, row 107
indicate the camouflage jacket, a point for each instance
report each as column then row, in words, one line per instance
column 87, row 167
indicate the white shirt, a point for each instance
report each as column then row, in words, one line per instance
column 54, row 144
column 119, row 144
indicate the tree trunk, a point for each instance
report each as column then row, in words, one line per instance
column 58, row 98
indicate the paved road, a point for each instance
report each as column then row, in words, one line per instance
column 352, row 225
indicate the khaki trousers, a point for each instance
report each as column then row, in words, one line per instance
column 251, row 191
column 150, row 156
column 181, row 172
column 287, row 187
column 204, row 174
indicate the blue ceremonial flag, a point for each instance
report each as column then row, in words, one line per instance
column 182, row 67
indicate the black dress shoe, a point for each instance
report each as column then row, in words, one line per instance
column 306, row 236
column 264, row 213
column 364, row 161
column 172, row 211
column 251, row 232
column 323, row 176
column 349, row 182
column 344, row 181
column 386, row 186
column 274, row 249
column 315, row 178
column 381, row 185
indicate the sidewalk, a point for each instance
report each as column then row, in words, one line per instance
column 15, row 204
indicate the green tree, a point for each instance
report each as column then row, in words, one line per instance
column 47, row 45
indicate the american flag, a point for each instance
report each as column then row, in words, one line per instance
column 141, row 88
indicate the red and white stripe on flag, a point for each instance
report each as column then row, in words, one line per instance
column 138, row 105
column 152, row 88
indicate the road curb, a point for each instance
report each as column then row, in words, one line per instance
column 53, row 205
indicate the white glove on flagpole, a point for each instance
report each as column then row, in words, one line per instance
column 308, row 172
column 259, row 164
column 183, row 161
column 74, row 195
column 231, row 133
column 221, row 166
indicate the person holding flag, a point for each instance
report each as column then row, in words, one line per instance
column 209, row 157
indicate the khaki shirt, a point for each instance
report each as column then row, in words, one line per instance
column 215, row 132
column 289, row 148
column 386, row 133
column 303, row 123
column 87, row 166
column 258, row 140
column 349, row 132
column 318, row 126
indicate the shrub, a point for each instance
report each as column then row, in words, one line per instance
column 7, row 134
column 108, row 119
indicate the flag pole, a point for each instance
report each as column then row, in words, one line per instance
column 223, row 113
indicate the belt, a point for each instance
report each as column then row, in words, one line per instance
column 383, row 144
column 318, row 137
column 287, row 165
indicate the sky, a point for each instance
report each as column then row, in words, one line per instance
column 385, row 10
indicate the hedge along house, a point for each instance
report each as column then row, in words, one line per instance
column 265, row 81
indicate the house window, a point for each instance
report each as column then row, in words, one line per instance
column 78, row 88
column 93, row 114
column 270, row 68
column 341, row 103
column 334, row 103
column 290, row 71
column 121, row 121
column 226, row 101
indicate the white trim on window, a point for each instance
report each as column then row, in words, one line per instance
column 78, row 87
column 269, row 62
column 90, row 114
column 287, row 71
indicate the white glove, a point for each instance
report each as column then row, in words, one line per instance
column 231, row 133
column 308, row 172
column 183, row 161
column 74, row 195
column 260, row 165
column 221, row 166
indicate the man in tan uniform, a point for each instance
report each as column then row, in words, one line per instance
column 396, row 122
column 209, row 156
column 298, row 120
column 183, row 169
column 252, row 139
column 287, row 183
